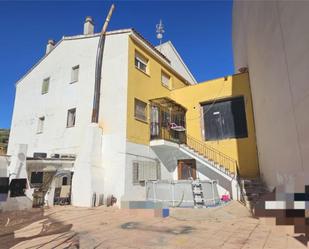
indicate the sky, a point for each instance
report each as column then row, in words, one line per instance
column 201, row 31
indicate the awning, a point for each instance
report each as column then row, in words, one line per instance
column 168, row 103
column 49, row 165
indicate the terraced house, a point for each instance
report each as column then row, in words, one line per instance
column 158, row 128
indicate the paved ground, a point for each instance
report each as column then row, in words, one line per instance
column 228, row 226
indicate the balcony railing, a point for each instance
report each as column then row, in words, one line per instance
column 168, row 134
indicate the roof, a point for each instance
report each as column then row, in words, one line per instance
column 177, row 62
column 114, row 32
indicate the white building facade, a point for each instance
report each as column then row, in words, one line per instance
column 271, row 39
column 51, row 129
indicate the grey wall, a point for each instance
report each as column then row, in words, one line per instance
column 271, row 38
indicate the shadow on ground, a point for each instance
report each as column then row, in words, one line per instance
column 15, row 224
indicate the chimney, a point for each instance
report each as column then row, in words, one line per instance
column 50, row 46
column 88, row 26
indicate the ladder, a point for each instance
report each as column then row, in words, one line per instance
column 197, row 191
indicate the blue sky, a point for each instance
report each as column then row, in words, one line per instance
column 200, row 30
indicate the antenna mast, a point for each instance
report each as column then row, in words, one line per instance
column 160, row 31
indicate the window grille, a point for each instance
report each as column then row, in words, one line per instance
column 145, row 171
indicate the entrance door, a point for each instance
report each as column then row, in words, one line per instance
column 186, row 169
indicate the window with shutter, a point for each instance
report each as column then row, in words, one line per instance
column 141, row 62
column 40, row 125
column 165, row 79
column 140, row 110
column 45, row 86
column 71, row 117
column 74, row 74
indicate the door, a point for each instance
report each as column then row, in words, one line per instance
column 186, row 169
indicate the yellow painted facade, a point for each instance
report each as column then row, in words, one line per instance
column 147, row 86
column 144, row 87
column 244, row 149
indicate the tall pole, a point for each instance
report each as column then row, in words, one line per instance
column 98, row 68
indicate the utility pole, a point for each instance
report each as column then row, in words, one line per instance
column 98, row 68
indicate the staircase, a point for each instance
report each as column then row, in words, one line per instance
column 211, row 163
column 198, row 196
column 252, row 190
column 216, row 158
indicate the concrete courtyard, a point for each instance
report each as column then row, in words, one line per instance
column 228, row 226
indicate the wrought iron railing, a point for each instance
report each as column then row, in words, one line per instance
column 214, row 156
column 168, row 134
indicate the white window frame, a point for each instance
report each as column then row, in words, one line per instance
column 71, row 122
column 45, row 86
column 141, row 63
column 138, row 117
column 40, row 127
column 166, row 76
column 75, row 74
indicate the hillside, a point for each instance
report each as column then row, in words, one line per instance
column 4, row 139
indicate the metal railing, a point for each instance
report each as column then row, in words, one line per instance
column 170, row 135
column 214, row 156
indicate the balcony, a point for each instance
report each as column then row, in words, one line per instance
column 167, row 121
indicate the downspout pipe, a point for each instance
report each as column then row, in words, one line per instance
column 98, row 68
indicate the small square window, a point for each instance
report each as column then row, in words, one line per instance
column 165, row 79
column 71, row 118
column 40, row 125
column 141, row 62
column 45, row 86
column 140, row 110
column 74, row 74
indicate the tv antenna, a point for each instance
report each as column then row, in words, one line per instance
column 160, row 31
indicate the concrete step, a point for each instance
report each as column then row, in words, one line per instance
column 253, row 190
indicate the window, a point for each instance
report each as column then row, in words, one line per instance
column 141, row 62
column 165, row 79
column 64, row 181
column 225, row 119
column 145, row 171
column 74, row 74
column 140, row 110
column 40, row 125
column 71, row 117
column 36, row 177
column 45, row 86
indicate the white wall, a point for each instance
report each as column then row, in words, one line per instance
column 30, row 104
column 142, row 153
column 113, row 113
column 271, row 38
